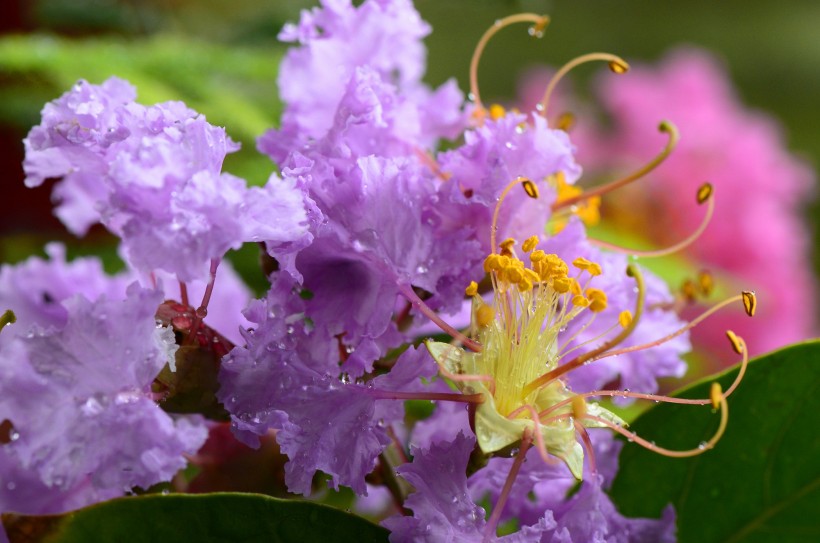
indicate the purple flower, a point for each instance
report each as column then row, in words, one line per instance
column 441, row 504
column 443, row 509
column 540, row 486
column 152, row 176
column 78, row 400
column 590, row 515
column 36, row 288
column 491, row 157
column 287, row 378
column 334, row 41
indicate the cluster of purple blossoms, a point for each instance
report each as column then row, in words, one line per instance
column 375, row 233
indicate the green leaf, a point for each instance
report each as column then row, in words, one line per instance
column 203, row 518
column 761, row 482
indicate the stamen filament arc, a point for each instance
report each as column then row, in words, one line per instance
column 674, row 136
column 616, row 64
column 710, row 209
column 539, row 22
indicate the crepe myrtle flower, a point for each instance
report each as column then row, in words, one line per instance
column 522, row 346
column 334, row 42
column 79, row 421
column 152, row 175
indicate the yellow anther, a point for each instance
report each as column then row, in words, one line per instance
column 706, row 283
column 625, row 318
column 562, row 285
column 689, row 290
column 716, row 394
column 595, row 269
column 531, row 276
column 530, row 188
column 513, row 274
column 581, row 263
column 497, row 111
column 538, row 255
column 529, row 244
column 618, row 66
column 579, row 407
column 565, row 122
column 575, row 286
column 737, row 343
column 597, row 298
column 484, row 315
column 749, row 302
column 704, row 192
column 491, row 263
column 525, row 285
column 580, row 301
column 503, row 261
column 472, row 289
column 507, row 244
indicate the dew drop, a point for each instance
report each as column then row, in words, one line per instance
column 202, row 312
column 421, row 269
column 14, row 435
column 471, row 97
column 702, row 445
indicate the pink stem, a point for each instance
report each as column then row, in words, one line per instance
column 432, row 396
column 183, row 293
column 492, row 523
column 419, row 304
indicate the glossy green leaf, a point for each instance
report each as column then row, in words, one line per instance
column 205, row 518
column 761, row 482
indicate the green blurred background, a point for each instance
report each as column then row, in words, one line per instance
column 221, row 58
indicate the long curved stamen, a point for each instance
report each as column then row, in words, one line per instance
column 631, row 271
column 562, row 354
column 718, row 401
column 705, row 193
column 419, row 304
column 539, row 23
column 745, row 297
column 529, row 187
column 202, row 311
column 738, row 345
column 665, row 127
column 432, row 396
column 616, row 64
column 492, row 522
